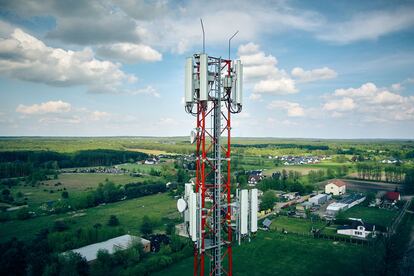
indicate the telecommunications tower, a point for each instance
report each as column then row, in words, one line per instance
column 215, row 218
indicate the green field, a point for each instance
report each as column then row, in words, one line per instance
column 129, row 212
column 376, row 216
column 75, row 183
column 295, row 225
column 272, row 253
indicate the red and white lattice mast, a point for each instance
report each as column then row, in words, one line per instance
column 213, row 92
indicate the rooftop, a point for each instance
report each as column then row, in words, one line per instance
column 337, row 182
column 89, row 252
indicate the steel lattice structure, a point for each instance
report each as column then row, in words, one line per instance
column 213, row 152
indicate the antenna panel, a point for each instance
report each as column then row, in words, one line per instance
column 244, row 204
column 189, row 80
column 253, row 210
column 203, row 77
column 239, row 84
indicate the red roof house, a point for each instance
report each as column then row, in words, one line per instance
column 393, row 196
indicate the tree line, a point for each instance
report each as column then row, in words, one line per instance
column 23, row 163
column 376, row 171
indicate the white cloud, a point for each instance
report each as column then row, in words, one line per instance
column 129, row 53
column 370, row 103
column 275, row 86
column 44, row 108
column 99, row 115
column 262, row 70
column 368, row 26
column 148, row 90
column 343, row 104
column 314, row 74
column 25, row 57
column 293, row 109
column 255, row 97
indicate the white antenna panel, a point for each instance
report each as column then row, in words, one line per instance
column 203, row 77
column 193, row 216
column 244, row 204
column 189, row 81
column 239, row 84
column 193, row 136
column 233, row 90
column 253, row 210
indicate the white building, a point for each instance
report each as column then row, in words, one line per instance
column 335, row 187
column 357, row 229
column 90, row 252
column 318, row 199
column 334, row 208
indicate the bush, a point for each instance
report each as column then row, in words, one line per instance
column 60, row 226
column 113, row 221
column 146, row 226
column 65, row 194
column 23, row 214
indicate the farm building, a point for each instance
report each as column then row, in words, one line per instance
column 89, row 252
column 335, row 187
column 343, row 204
column 357, row 229
column 318, row 199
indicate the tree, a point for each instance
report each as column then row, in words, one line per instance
column 65, row 194
column 113, row 221
column 146, row 226
column 268, row 200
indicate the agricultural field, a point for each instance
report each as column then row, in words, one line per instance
column 129, row 212
column 271, row 253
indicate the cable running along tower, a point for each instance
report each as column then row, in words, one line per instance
column 215, row 218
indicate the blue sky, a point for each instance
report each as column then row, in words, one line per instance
column 325, row 69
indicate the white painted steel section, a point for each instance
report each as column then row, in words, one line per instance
column 189, row 81
column 203, row 77
column 244, row 214
column 253, row 210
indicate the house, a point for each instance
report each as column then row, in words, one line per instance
column 335, row 187
column 151, row 161
column 90, row 252
column 254, row 179
column 392, row 196
column 318, row 199
column 357, row 228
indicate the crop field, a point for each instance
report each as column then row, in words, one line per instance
column 129, row 213
column 295, row 225
column 271, row 253
column 376, row 216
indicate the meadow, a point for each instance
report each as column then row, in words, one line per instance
column 129, row 212
column 272, row 253
column 376, row 216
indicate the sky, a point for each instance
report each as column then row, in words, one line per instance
column 312, row 69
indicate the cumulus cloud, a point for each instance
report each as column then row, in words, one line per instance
column 261, row 69
column 129, row 53
column 44, row 108
column 148, row 90
column 275, row 86
column 370, row 103
column 343, row 104
column 313, row 75
column 368, row 26
column 25, row 57
column 293, row 109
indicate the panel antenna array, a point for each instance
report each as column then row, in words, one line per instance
column 214, row 217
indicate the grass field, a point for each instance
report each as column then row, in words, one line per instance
column 295, row 225
column 76, row 184
column 376, row 216
column 129, row 212
column 272, row 253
